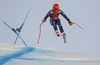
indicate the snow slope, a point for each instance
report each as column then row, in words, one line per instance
column 20, row 55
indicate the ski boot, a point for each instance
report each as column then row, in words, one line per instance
column 57, row 33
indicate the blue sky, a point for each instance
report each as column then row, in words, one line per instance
column 84, row 12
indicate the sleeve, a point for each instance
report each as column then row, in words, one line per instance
column 48, row 14
column 63, row 14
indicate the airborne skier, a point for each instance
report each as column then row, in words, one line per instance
column 18, row 29
column 54, row 19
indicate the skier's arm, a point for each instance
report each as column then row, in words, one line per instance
column 66, row 17
column 48, row 14
column 63, row 14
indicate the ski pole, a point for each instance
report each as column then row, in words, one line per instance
column 78, row 25
column 39, row 34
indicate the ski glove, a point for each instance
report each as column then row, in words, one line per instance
column 43, row 21
column 70, row 23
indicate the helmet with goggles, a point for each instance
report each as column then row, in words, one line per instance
column 55, row 7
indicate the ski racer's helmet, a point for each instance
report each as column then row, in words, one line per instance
column 18, row 28
column 55, row 7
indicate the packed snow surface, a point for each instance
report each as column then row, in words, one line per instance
column 20, row 55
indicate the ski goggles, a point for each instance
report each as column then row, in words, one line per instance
column 55, row 9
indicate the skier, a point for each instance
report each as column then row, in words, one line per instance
column 54, row 19
column 18, row 29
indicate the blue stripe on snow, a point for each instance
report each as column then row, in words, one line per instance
column 8, row 57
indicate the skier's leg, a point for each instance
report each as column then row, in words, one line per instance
column 18, row 30
column 53, row 23
column 60, row 27
column 13, row 29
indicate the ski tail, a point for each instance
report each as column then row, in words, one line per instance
column 25, row 19
column 23, row 41
column 7, row 24
column 16, row 38
column 9, row 27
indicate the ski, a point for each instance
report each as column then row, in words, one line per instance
column 14, row 30
column 16, row 38
column 15, row 33
column 25, row 19
column 64, row 37
column 21, row 26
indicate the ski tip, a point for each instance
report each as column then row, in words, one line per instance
column 28, row 10
column 64, row 42
column 25, row 45
column 3, row 22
